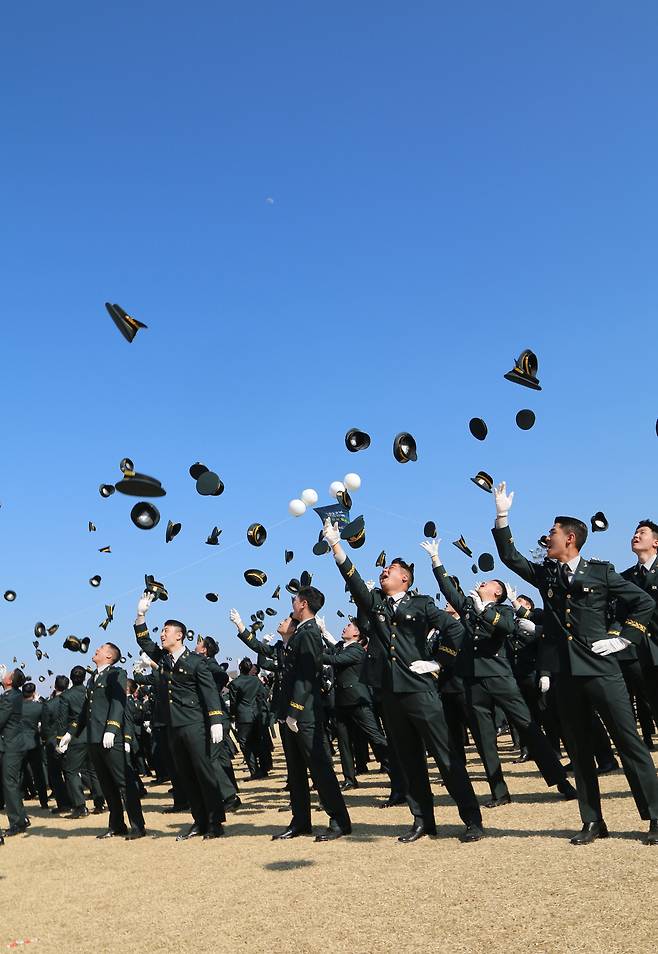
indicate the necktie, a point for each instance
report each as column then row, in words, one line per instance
column 643, row 573
column 168, row 662
column 391, row 603
column 565, row 570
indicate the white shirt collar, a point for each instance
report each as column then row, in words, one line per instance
column 572, row 564
column 100, row 669
column 396, row 597
column 647, row 566
column 179, row 652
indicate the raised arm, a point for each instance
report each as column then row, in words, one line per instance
column 504, row 540
column 357, row 587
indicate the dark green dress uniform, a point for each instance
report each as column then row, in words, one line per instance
column 33, row 758
column 354, row 706
column 575, row 617
column 188, row 702
column 308, row 748
column 413, row 711
column 76, row 757
column 244, row 695
column 639, row 663
column 222, row 758
column 104, row 711
column 12, row 749
column 53, row 727
column 488, row 681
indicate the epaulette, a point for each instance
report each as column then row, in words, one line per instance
column 599, row 562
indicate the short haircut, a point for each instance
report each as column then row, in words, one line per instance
column 78, row 675
column 522, row 596
column 176, row 623
column 575, row 526
column 28, row 688
column 131, row 685
column 409, row 567
column 503, row 597
column 61, row 683
column 650, row 524
column 313, row 597
column 210, row 646
column 245, row 666
column 17, row 678
column 115, row 651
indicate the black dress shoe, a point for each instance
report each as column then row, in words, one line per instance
column 497, row 802
column 175, row 809
column 79, row 812
column 589, row 832
column 193, row 832
column 214, row 831
column 392, row 801
column 291, row 832
column 472, row 833
column 135, row 834
column 98, row 810
column 43, row 803
column 331, row 834
column 417, row 830
column 650, row 744
column 611, row 766
column 346, row 786
column 59, row 811
column 112, row 834
column 652, row 834
column 16, row 830
column 567, row 791
column 232, row 804
column 523, row 757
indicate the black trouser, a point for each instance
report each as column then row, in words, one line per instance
column 221, row 758
column 481, row 694
column 639, row 684
column 528, row 684
column 456, row 716
column 76, row 761
column 33, row 759
column 415, row 722
column 305, row 749
column 248, row 734
column 118, row 783
column 577, row 697
column 55, row 766
column 191, row 754
column 363, row 717
column 12, row 780
column 160, row 754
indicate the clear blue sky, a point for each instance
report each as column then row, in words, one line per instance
column 451, row 184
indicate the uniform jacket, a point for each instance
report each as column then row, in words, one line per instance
column 522, row 647
column 187, row 692
column 30, row 721
column 577, row 616
column 348, row 662
column 73, row 699
column 104, row 706
column 647, row 650
column 398, row 638
column 483, row 651
column 300, row 696
column 244, row 694
column 53, row 719
column 11, row 711
column 270, row 657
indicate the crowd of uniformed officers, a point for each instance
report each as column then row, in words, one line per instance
column 570, row 669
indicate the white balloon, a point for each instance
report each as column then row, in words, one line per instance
column 336, row 487
column 309, row 496
column 296, row 508
column 352, row 481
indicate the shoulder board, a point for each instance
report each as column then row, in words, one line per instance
column 593, row 560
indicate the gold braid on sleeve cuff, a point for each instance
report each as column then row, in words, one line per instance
column 296, row 705
column 110, row 722
column 634, row 623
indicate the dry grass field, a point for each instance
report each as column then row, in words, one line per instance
column 523, row 889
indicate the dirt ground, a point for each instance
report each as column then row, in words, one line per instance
column 523, row 889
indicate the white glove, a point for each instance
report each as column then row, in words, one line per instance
column 421, row 666
column 290, row 722
column 108, row 740
column 544, row 683
column 126, row 747
column 512, row 592
column 331, row 534
column 216, row 734
column 268, row 638
column 431, row 547
column 614, row 644
column 526, row 625
column 478, row 605
column 370, row 585
column 328, row 638
column 321, row 624
column 63, row 744
column 236, row 619
column 144, row 604
column 147, row 727
column 503, row 499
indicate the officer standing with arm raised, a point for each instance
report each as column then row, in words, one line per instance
column 577, row 594
column 399, row 625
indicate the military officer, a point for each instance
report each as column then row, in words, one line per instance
column 189, row 702
column 207, row 647
column 579, row 651
column 53, row 727
column 300, row 712
column 12, row 749
column 488, row 681
column 33, row 755
column 75, row 751
column 399, row 664
column 244, row 694
column 101, row 724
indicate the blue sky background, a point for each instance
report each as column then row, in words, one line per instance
column 451, row 184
